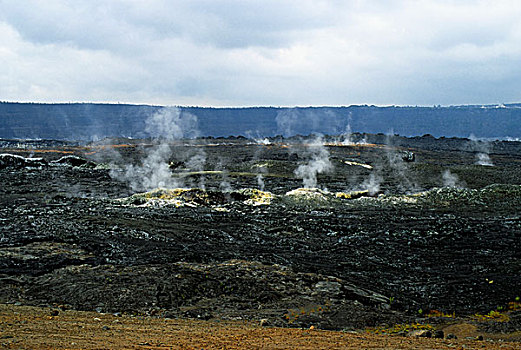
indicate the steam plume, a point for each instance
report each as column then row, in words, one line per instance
column 166, row 125
column 318, row 163
column 451, row 180
column 483, row 159
column 372, row 184
column 196, row 162
column 399, row 169
column 482, row 149
column 261, row 170
column 286, row 120
column 347, row 133
column 260, row 182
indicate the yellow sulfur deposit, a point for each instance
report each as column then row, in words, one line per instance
column 257, row 197
column 351, row 195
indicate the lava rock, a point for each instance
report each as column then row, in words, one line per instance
column 15, row 161
column 74, row 161
column 439, row 334
column 420, row 333
column 54, row 313
column 408, row 157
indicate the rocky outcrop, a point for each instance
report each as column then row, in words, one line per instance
column 74, row 161
column 17, row 162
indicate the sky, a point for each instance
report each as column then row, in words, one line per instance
column 261, row 53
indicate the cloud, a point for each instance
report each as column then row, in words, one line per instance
column 218, row 52
column 124, row 24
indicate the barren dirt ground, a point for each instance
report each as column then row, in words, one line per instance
column 23, row 327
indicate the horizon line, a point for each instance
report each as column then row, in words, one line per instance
column 498, row 105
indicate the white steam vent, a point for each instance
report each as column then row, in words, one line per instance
column 166, row 125
column 318, row 163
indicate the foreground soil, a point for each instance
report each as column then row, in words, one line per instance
column 46, row 328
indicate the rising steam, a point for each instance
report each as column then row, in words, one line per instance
column 372, row 183
column 317, row 154
column 482, row 149
column 347, row 139
column 286, row 120
column 451, row 180
column 393, row 165
column 399, row 169
column 318, row 163
column 166, row 125
column 483, row 159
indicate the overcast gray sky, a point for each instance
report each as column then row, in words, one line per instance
column 270, row 52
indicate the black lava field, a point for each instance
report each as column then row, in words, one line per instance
column 298, row 231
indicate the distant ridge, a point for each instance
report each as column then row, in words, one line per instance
column 87, row 121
